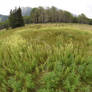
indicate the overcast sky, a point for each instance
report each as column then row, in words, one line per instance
column 74, row 6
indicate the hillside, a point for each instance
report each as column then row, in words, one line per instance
column 3, row 18
column 46, row 58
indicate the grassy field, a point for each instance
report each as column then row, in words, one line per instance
column 46, row 58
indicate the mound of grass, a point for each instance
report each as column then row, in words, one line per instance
column 46, row 58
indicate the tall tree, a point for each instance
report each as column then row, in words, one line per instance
column 15, row 18
column 48, row 15
column 35, row 15
column 54, row 14
column 42, row 15
column 82, row 19
column 68, row 17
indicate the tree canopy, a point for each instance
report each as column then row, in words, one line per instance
column 53, row 15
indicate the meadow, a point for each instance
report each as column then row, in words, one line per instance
column 46, row 58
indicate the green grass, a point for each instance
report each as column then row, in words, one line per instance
column 46, row 58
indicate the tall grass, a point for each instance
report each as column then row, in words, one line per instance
column 42, row 59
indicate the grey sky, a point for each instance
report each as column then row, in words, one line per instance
column 74, row 6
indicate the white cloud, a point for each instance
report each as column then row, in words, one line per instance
column 74, row 6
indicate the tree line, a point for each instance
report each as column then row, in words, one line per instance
column 43, row 15
column 55, row 15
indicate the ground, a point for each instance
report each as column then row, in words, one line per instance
column 46, row 58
